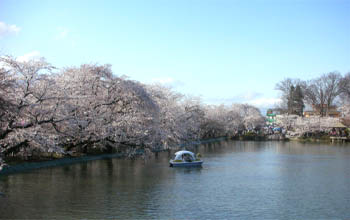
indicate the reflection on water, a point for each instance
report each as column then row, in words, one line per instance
column 238, row 179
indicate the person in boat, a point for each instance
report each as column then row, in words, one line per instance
column 187, row 158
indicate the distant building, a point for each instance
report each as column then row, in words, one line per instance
column 316, row 111
column 271, row 116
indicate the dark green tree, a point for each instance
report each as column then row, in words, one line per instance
column 290, row 100
column 298, row 101
column 295, row 101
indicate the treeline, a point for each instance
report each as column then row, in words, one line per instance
column 323, row 92
column 87, row 109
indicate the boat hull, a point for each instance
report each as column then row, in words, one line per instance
column 186, row 164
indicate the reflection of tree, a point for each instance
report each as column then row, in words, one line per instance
column 95, row 189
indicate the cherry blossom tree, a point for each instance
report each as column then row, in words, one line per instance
column 27, row 93
column 227, row 121
column 180, row 116
column 88, row 109
column 106, row 112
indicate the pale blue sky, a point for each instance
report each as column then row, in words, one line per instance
column 224, row 51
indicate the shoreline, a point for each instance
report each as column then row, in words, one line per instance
column 24, row 166
column 28, row 165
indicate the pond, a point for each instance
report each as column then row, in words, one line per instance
column 255, row 180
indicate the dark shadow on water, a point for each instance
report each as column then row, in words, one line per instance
column 188, row 170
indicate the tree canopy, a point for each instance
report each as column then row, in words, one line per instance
column 88, row 109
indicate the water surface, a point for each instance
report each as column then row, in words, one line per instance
column 238, row 180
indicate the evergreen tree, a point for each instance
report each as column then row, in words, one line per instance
column 295, row 101
column 290, row 100
column 298, row 98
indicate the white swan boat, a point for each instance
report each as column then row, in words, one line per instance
column 185, row 158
